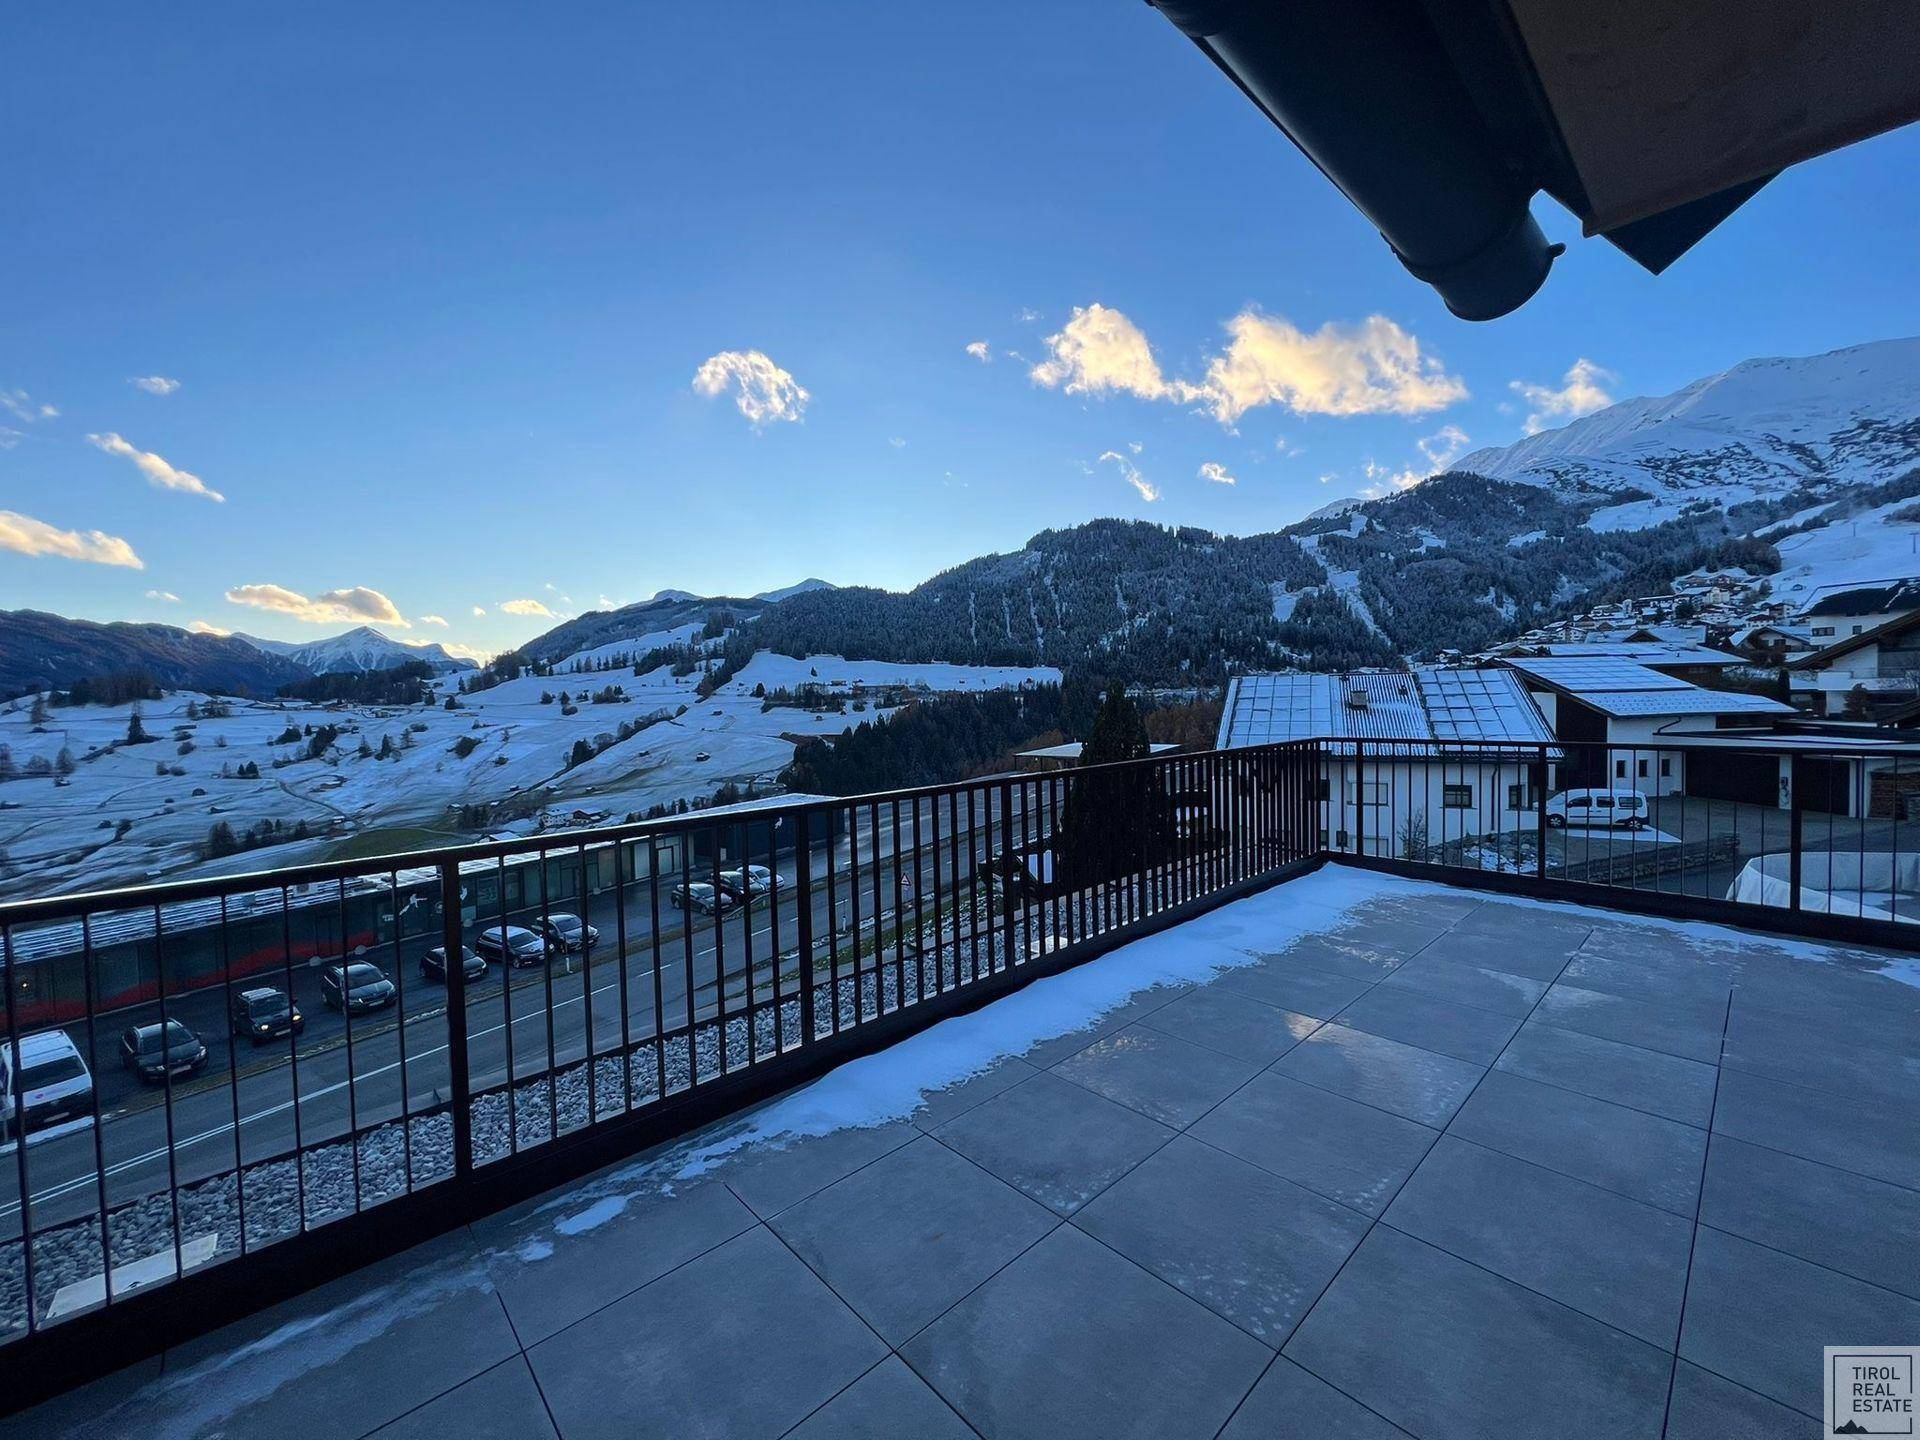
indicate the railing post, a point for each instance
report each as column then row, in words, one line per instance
column 1540, row 813
column 803, row 917
column 1795, row 826
column 1360, row 798
column 1006, row 875
column 459, row 1082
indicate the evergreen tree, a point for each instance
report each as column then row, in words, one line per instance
column 38, row 717
column 64, row 762
column 8, row 770
column 136, row 732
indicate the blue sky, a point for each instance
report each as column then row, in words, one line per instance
column 435, row 283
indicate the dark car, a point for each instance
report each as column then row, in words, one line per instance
column 153, row 1052
column 265, row 1013
column 356, row 987
column 513, row 945
column 698, row 895
column 747, row 883
column 568, row 932
column 433, row 964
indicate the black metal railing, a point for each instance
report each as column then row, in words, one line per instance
column 221, row 1086
column 210, row 1070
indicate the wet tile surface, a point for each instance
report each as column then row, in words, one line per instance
column 1445, row 1153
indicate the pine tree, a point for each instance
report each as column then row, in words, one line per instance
column 38, row 717
column 64, row 762
column 8, row 770
column 136, row 732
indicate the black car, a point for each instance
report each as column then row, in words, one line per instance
column 153, row 1052
column 356, row 987
column 433, row 964
column 514, row 945
column 567, row 932
column 264, row 1013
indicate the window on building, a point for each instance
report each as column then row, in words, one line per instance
column 1320, row 788
column 1456, row 797
column 1522, row 797
column 1820, row 630
column 1619, row 769
column 1643, row 769
column 1666, row 766
column 1856, row 629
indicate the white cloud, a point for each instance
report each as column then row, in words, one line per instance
column 896, row 442
column 202, row 627
column 1216, row 472
column 466, row 652
column 24, row 535
column 479, row 609
column 523, row 607
column 978, row 350
column 1026, row 316
column 159, row 473
column 356, row 605
column 1438, row 450
column 761, row 390
column 154, row 384
column 1148, row 490
column 1373, row 368
column 24, row 407
column 439, row 620
column 1583, row 390
column 10, row 438
column 165, row 595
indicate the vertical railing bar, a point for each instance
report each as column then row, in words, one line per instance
column 346, row 1010
column 546, row 972
column 166, row 1082
column 720, row 954
column 459, row 1072
column 586, row 993
column 506, row 1002
column 293, row 1054
column 746, row 944
column 659, row 981
column 18, row 1103
column 400, row 1031
column 99, row 1139
column 233, row 1077
column 803, row 923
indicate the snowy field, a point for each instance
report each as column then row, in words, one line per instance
column 117, row 819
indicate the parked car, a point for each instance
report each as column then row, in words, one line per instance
column 154, row 1052
column 50, row 1086
column 433, row 964
column 512, row 945
column 568, row 932
column 699, row 895
column 356, row 987
column 264, row 1013
column 748, row 882
column 1598, row 807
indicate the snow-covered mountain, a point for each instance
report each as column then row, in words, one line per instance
column 359, row 649
column 805, row 587
column 1763, row 430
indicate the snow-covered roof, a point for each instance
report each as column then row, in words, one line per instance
column 1869, row 599
column 1463, row 703
column 1071, row 751
column 1646, row 652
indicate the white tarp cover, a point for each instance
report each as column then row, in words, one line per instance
column 1875, row 886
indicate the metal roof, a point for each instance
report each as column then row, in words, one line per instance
column 1645, row 652
column 1440, row 704
column 1595, row 675
column 1622, row 688
column 1685, row 702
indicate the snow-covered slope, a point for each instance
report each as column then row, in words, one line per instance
column 804, row 587
column 362, row 648
column 1763, row 429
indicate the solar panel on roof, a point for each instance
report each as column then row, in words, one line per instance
column 1597, row 675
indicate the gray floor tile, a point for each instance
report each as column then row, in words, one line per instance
column 1292, row 986
column 1450, row 1352
column 1537, row 957
column 772, row 1174
column 1419, row 1084
column 1630, row 1152
column 559, row 1258
column 1337, row 956
column 1243, row 1242
column 940, row 1106
column 405, row 1330
column 1648, row 1080
column 743, row 1341
column 1387, row 934
column 1836, row 995
column 1054, row 1140
column 1679, row 975
column 1506, row 920
column 1761, row 1318
column 82, row 1411
column 904, row 1238
column 1688, row 1029
column 1048, row 1053
column 1125, row 1355
column 1605, row 1255
column 1234, row 1024
column 1465, row 984
column 502, row 1404
column 1843, row 1059
column 1162, row 1076
column 1416, row 1018
column 1860, row 1227
column 1336, row 1147
column 1288, row 1401
column 1876, row 1140
column 1656, row 942
column 889, row 1402
column 1705, row 1407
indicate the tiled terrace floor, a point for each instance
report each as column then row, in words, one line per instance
column 1409, row 1161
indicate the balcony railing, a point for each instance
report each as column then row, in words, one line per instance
column 182, row 1150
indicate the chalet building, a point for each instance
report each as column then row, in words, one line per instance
column 1862, row 676
column 1483, row 779
column 1687, row 660
column 1841, row 614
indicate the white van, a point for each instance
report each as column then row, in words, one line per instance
column 51, row 1087
column 1583, row 808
